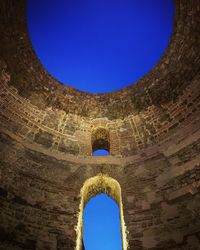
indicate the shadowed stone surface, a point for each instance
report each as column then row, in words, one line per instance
column 46, row 143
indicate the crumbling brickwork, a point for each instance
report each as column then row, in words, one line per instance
column 46, row 132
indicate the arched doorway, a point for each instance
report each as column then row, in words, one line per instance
column 92, row 187
column 101, row 224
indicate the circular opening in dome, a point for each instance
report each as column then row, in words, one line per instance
column 99, row 46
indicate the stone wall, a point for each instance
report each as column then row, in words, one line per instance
column 46, row 141
column 160, row 191
column 72, row 134
column 177, row 68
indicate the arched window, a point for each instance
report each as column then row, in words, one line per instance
column 101, row 224
column 101, row 152
column 100, row 139
column 92, row 187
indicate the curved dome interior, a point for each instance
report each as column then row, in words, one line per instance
column 48, row 132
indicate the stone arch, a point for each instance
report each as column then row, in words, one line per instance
column 100, row 139
column 93, row 186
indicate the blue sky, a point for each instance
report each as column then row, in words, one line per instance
column 102, row 224
column 100, row 152
column 99, row 46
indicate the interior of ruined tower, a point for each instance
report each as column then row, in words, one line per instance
column 49, row 131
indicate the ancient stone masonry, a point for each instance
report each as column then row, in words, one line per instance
column 70, row 133
column 94, row 186
column 178, row 67
column 48, row 132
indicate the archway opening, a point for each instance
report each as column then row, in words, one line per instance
column 101, row 224
column 101, row 152
column 92, row 187
column 100, row 140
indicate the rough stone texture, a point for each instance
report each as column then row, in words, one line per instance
column 46, row 142
column 177, row 68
